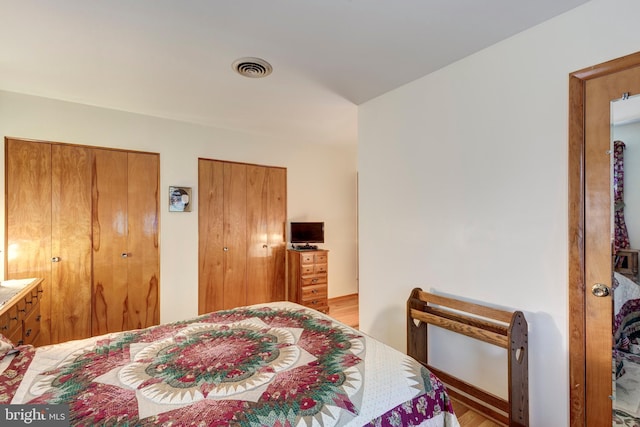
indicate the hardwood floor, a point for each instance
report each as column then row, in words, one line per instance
column 470, row 418
column 345, row 309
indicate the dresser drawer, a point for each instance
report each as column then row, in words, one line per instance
column 317, row 304
column 4, row 324
column 314, row 280
column 31, row 327
column 315, row 296
column 10, row 321
column 35, row 293
column 314, row 292
column 22, row 308
column 321, row 258
column 16, row 337
column 306, row 270
column 320, row 268
column 307, row 259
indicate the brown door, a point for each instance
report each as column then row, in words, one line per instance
column 71, row 243
column 242, row 211
column 276, row 239
column 223, row 235
column 143, row 261
column 266, row 245
column 110, row 257
column 592, row 91
column 28, row 216
column 235, row 235
column 125, row 240
column 49, row 232
column 210, row 236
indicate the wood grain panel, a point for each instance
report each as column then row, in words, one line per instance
column 71, row 242
column 242, row 208
column 598, row 210
column 110, row 303
column 576, row 286
column 235, row 235
column 276, row 223
column 266, row 213
column 210, row 236
column 587, row 406
column 143, row 264
column 28, row 218
column 258, row 279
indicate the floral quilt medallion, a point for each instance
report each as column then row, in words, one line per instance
column 247, row 367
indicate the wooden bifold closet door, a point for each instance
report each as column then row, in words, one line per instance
column 125, row 241
column 86, row 221
column 48, row 214
column 241, row 221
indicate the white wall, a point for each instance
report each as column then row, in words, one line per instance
column 463, row 191
column 329, row 169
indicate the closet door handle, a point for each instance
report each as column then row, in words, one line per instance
column 226, row 249
column 600, row 290
column 124, row 255
column 55, row 259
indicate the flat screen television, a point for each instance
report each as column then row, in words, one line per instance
column 307, row 232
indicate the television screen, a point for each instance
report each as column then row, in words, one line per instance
column 307, row 232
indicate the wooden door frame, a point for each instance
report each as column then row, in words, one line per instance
column 577, row 286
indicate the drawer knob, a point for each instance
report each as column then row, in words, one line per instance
column 55, row 259
column 26, row 334
column 315, row 291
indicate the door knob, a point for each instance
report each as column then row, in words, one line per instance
column 600, row 290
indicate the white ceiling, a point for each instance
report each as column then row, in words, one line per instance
column 172, row 58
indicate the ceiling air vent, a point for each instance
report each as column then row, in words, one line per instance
column 252, row 67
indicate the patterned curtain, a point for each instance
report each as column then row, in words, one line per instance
column 621, row 238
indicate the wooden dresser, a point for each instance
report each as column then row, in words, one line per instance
column 20, row 310
column 307, row 272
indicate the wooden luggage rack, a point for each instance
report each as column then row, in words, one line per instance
column 498, row 327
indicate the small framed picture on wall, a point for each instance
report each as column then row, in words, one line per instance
column 179, row 199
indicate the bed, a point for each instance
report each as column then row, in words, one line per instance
column 626, row 349
column 277, row 364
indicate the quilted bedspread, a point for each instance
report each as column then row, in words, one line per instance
column 265, row 365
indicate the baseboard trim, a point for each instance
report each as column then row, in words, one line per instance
column 342, row 297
